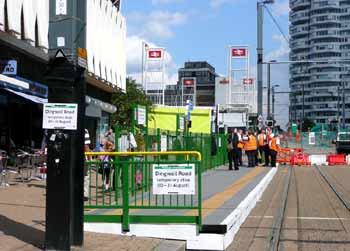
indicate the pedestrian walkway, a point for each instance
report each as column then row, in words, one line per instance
column 227, row 198
column 22, row 223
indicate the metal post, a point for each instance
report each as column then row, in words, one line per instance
column 163, row 79
column 142, row 67
column 303, row 107
column 338, row 108
column 268, row 91
column 343, row 108
column 65, row 178
column 260, row 57
column 230, row 76
column 273, row 102
column 182, row 91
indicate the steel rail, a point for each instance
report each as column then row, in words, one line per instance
column 274, row 237
column 324, row 176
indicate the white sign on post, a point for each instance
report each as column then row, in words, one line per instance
column 163, row 143
column 141, row 115
column 60, row 116
column 312, row 138
column 61, row 7
column 182, row 123
column 174, row 179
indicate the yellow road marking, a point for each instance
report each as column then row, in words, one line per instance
column 219, row 199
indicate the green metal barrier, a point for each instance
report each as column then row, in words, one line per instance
column 131, row 189
column 322, row 140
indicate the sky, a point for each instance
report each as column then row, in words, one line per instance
column 199, row 30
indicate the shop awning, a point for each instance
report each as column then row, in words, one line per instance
column 98, row 105
column 13, row 82
column 32, row 98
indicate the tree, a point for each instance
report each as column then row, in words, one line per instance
column 125, row 101
column 307, row 124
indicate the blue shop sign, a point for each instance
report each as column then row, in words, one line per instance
column 8, row 67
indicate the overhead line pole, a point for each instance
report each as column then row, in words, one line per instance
column 260, row 56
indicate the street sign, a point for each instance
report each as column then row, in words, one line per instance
column 189, row 82
column 239, row 52
column 163, row 143
column 154, row 54
column 224, row 82
column 174, row 179
column 248, row 81
column 181, row 123
column 82, row 57
column 140, row 115
column 8, row 67
column 312, row 138
column 60, row 116
column 61, row 7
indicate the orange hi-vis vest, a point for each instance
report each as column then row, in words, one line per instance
column 240, row 143
column 262, row 138
column 273, row 145
column 251, row 144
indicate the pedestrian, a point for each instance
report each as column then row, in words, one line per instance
column 87, row 148
column 106, row 166
column 250, row 148
column 266, row 146
column 262, row 142
column 240, row 147
column 274, row 145
column 110, row 136
column 232, row 150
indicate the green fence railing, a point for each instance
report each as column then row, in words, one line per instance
column 133, row 187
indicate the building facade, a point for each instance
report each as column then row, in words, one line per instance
column 204, row 77
column 320, row 31
column 24, row 59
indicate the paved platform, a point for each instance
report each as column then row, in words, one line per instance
column 228, row 197
column 22, row 224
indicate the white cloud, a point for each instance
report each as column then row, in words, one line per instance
column 156, row 2
column 134, row 62
column 282, row 51
column 281, row 8
column 218, row 3
column 157, row 24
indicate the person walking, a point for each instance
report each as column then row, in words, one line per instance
column 232, row 150
column 240, row 146
column 274, row 145
column 250, row 148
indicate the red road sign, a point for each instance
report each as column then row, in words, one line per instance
column 248, row 81
column 188, row 82
column 239, row 52
column 155, row 54
column 224, row 81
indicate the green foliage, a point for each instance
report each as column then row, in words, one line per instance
column 125, row 102
column 307, row 124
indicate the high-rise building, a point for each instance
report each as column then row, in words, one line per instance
column 203, row 75
column 319, row 31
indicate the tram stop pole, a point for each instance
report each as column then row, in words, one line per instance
column 67, row 88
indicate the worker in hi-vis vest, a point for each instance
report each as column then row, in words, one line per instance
column 263, row 142
column 274, row 145
column 240, row 146
column 251, row 147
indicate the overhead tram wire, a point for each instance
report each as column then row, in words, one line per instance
column 276, row 23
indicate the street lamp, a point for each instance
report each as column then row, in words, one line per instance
column 260, row 15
